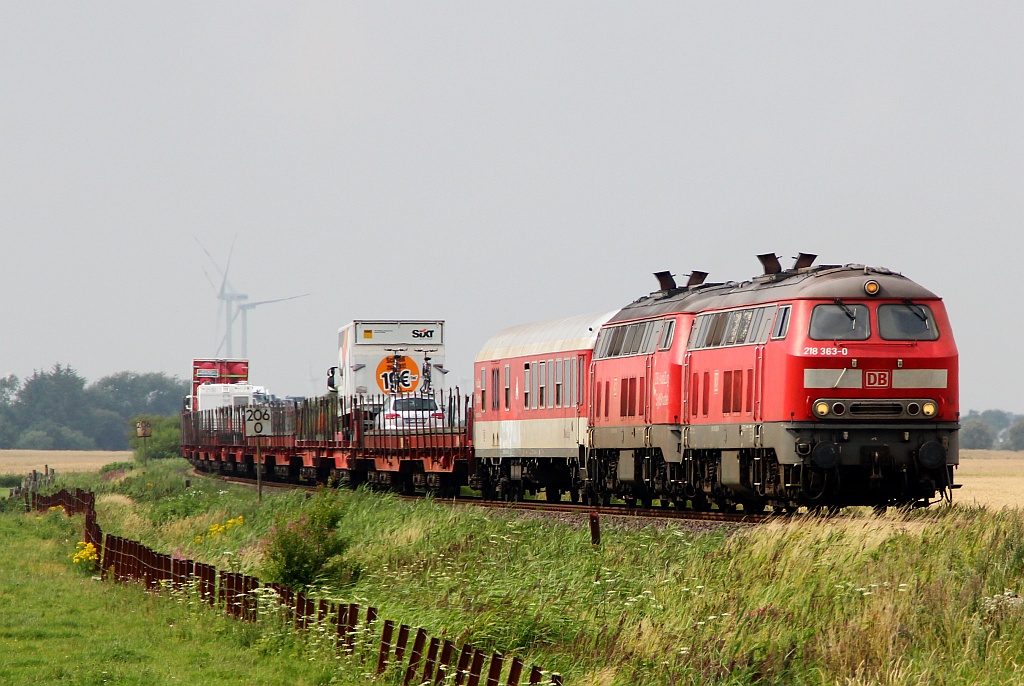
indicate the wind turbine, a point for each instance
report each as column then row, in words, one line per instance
column 234, row 303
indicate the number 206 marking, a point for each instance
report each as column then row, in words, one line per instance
column 829, row 352
column 257, row 414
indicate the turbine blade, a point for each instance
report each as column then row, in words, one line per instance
column 249, row 306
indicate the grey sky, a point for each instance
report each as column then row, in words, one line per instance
column 491, row 164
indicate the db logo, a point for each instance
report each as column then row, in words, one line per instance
column 876, row 379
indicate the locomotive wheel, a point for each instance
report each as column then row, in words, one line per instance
column 574, row 495
column 647, row 502
column 552, row 495
column 606, row 499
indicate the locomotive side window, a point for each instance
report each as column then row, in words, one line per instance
column 907, row 321
column 694, row 393
column 666, row 335
column 781, row 327
column 759, row 333
column 698, row 332
column 707, row 394
column 840, row 322
column 726, row 392
column 739, row 325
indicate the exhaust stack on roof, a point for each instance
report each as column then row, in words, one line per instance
column 770, row 263
column 666, row 282
column 696, row 278
column 804, row 260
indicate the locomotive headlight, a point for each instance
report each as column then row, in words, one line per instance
column 821, row 408
column 929, row 409
column 872, row 287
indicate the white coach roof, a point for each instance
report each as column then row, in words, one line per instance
column 555, row 336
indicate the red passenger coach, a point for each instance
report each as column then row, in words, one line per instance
column 531, row 397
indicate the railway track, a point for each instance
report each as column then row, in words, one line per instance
column 561, row 507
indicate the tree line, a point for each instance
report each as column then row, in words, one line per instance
column 57, row 409
column 992, row 429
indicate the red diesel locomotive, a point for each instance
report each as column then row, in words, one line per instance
column 811, row 386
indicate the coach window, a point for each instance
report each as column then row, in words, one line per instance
column 543, row 374
column 526, row 386
column 840, row 322
column 508, row 387
column 558, row 383
column 538, row 385
column 551, row 383
column 667, row 334
column 483, row 389
column 781, row 327
column 494, row 389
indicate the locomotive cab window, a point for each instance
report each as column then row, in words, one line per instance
column 666, row 335
column 840, row 322
column 907, row 321
column 781, row 323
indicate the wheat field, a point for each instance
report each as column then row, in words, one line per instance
column 24, row 461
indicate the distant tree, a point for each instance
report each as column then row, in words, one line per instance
column 130, row 394
column 976, row 435
column 57, row 396
column 9, row 386
column 165, row 441
column 34, row 439
column 997, row 419
column 1015, row 436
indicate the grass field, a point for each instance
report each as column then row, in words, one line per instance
column 931, row 597
column 901, row 600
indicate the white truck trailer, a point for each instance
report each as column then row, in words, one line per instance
column 383, row 357
column 213, row 395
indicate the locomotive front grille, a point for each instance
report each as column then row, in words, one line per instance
column 876, row 409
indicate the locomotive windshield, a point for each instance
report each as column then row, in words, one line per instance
column 840, row 322
column 907, row 321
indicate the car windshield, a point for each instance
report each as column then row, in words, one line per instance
column 907, row 321
column 415, row 405
column 840, row 322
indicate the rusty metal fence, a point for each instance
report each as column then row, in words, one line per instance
column 428, row 660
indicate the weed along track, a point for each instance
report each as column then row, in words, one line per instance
column 623, row 511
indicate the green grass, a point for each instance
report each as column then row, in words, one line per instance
column 902, row 599
column 60, row 626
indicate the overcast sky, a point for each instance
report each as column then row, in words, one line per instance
column 491, row 164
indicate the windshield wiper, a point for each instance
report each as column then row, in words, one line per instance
column 847, row 311
column 916, row 309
